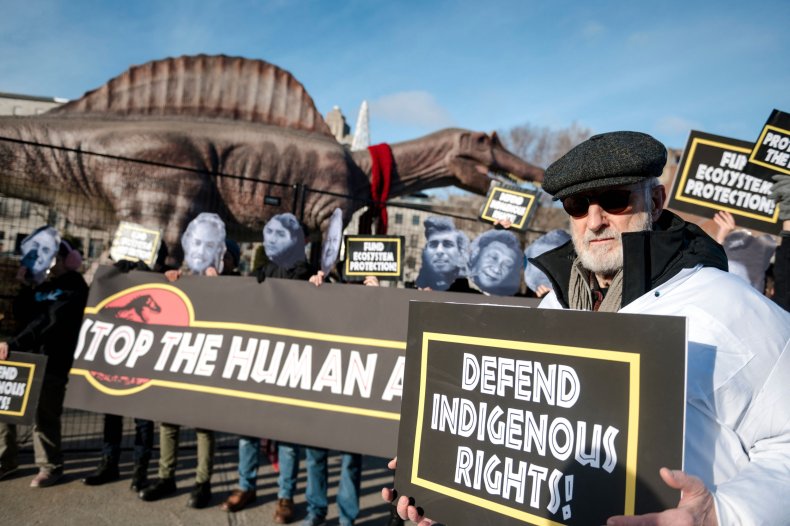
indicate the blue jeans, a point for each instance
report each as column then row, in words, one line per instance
column 288, row 457
column 249, row 460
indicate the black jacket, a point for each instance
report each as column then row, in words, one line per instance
column 650, row 258
column 49, row 317
column 301, row 271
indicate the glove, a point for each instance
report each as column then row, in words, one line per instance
column 780, row 192
column 261, row 275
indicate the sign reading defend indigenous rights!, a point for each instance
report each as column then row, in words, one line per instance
column 380, row 256
column 715, row 174
column 507, row 203
column 532, row 416
column 21, row 376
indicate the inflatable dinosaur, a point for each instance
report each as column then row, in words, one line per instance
column 238, row 130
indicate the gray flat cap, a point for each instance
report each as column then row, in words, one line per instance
column 608, row 159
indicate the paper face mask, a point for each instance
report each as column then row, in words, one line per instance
column 331, row 246
column 39, row 250
column 495, row 263
column 283, row 240
column 204, row 243
column 444, row 254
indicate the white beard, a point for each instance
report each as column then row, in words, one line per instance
column 609, row 261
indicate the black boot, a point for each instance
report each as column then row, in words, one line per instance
column 200, row 496
column 106, row 472
column 160, row 488
column 139, row 477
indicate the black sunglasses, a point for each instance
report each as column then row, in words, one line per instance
column 615, row 201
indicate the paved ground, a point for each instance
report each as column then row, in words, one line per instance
column 71, row 502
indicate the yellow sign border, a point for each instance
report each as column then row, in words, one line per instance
column 759, row 142
column 245, row 327
column 530, row 197
column 390, row 239
column 28, row 386
column 139, row 228
column 706, row 204
column 632, row 359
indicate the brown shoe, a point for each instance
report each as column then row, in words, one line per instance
column 284, row 511
column 238, row 500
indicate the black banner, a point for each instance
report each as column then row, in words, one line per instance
column 380, row 256
column 514, row 416
column 715, row 174
column 771, row 153
column 135, row 242
column 509, row 203
column 281, row 359
column 21, row 376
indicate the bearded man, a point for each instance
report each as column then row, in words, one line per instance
column 629, row 255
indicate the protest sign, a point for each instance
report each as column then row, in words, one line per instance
column 380, row 256
column 135, row 242
column 532, row 416
column 21, row 376
column 771, row 152
column 509, row 203
column 714, row 174
column 281, row 359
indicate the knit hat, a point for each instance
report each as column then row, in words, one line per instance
column 608, row 159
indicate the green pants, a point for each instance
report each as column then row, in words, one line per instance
column 46, row 429
column 168, row 453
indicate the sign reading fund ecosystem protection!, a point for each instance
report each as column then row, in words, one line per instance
column 380, row 256
column 715, row 174
column 512, row 416
column 507, row 203
column 21, row 376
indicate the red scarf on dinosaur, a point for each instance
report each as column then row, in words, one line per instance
column 380, row 178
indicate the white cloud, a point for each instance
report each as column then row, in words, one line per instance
column 673, row 124
column 592, row 29
column 415, row 108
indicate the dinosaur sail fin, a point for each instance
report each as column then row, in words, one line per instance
column 215, row 87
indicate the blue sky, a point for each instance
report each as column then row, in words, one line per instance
column 659, row 67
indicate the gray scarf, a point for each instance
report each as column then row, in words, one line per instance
column 581, row 296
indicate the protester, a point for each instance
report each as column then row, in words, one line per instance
column 629, row 255
column 112, row 432
column 204, row 248
column 443, row 257
column 283, row 244
column 536, row 281
column 495, row 263
column 49, row 312
column 781, row 270
column 749, row 255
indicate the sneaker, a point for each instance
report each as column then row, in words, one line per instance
column 200, row 496
column 7, row 471
column 46, row 478
column 284, row 512
column 160, row 488
column 314, row 520
column 106, row 472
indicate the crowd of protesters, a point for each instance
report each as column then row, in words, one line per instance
column 50, row 304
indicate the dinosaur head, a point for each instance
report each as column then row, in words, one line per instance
column 476, row 157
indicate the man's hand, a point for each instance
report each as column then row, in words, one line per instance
column 317, row 279
column 542, row 291
column 172, row 275
column 695, row 508
column 3, row 350
column 212, row 272
column 405, row 505
column 371, row 281
column 726, row 224
column 503, row 223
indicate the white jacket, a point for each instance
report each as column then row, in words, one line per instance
column 738, row 391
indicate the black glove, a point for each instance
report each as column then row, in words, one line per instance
column 780, row 192
column 261, row 275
